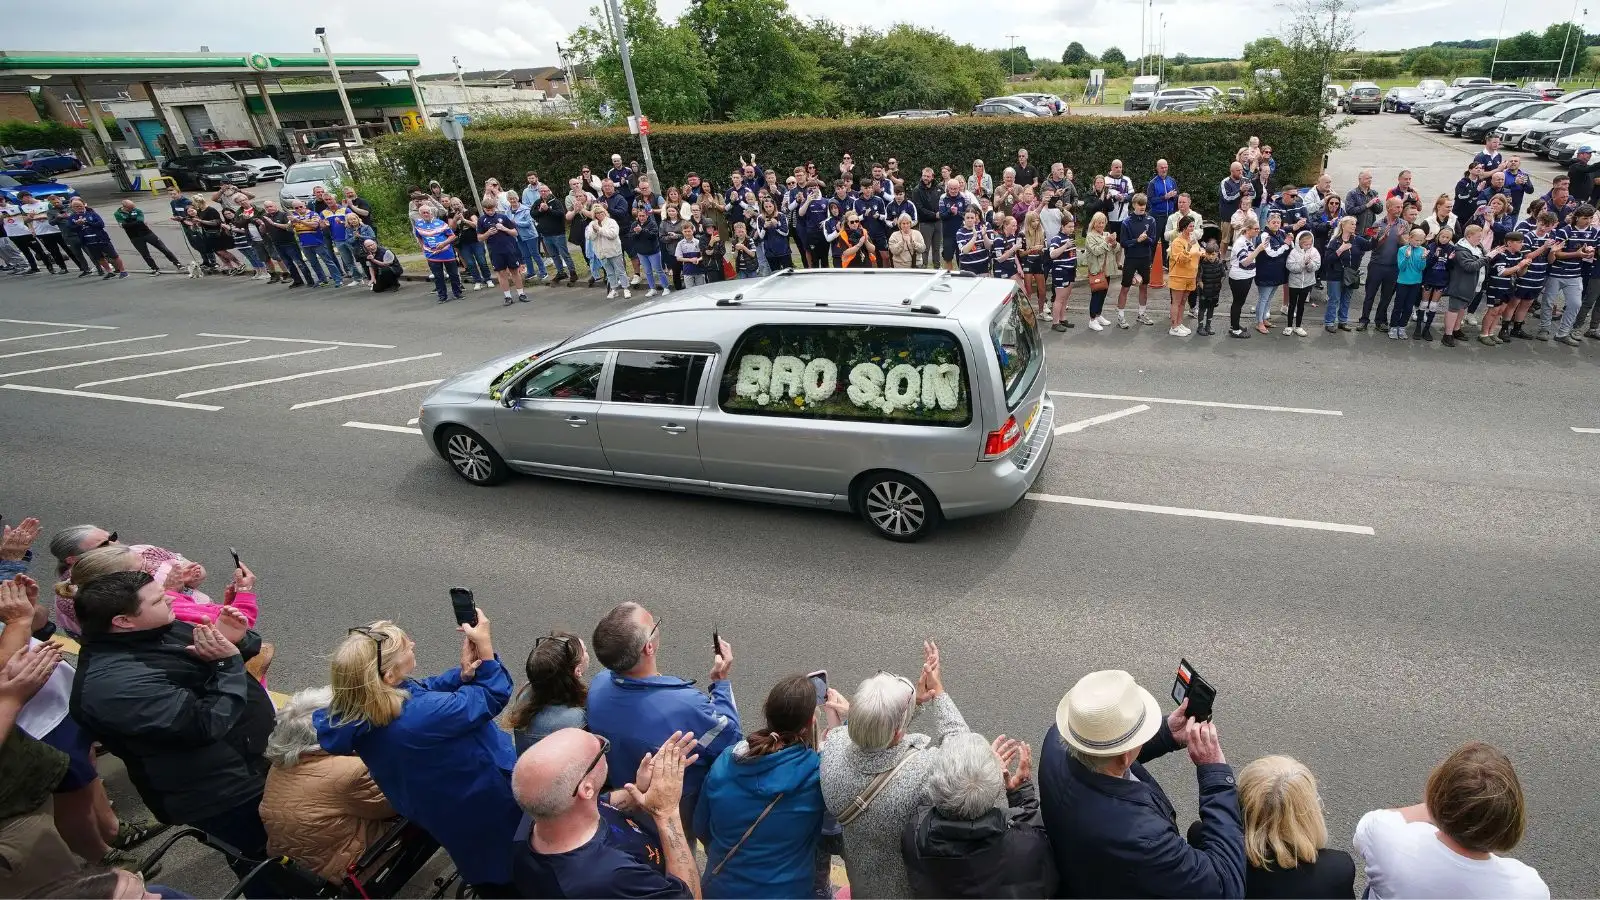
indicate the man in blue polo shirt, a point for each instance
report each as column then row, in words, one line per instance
column 1290, row 208
column 1163, row 193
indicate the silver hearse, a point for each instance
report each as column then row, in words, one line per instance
column 905, row 396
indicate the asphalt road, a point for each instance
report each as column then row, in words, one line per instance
column 1432, row 584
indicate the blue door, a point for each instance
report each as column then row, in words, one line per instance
column 149, row 133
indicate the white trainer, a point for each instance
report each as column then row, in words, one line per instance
column 1103, row 321
column 1299, row 332
column 626, row 294
column 611, row 295
column 1179, row 331
column 1287, row 330
column 1094, row 325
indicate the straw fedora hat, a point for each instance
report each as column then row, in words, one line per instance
column 1107, row 713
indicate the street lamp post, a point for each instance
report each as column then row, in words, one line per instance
column 338, row 83
column 1011, row 56
column 633, row 91
column 1161, row 49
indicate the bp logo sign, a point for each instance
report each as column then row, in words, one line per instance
column 258, row 61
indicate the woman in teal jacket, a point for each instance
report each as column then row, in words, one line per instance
column 762, row 801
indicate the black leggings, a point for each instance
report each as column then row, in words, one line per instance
column 29, row 245
column 1241, row 291
column 1097, row 302
column 1297, row 306
column 55, row 246
column 1209, row 294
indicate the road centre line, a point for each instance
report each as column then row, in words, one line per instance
column 373, row 426
column 112, row 359
column 24, row 337
column 1073, row 427
column 1203, row 514
column 1250, row 406
column 92, row 395
column 230, row 362
column 148, row 337
column 61, row 324
column 1586, row 430
column 257, row 337
column 282, row 378
column 387, row 390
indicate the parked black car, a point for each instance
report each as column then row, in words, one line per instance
column 207, row 171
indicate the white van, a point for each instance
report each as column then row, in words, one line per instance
column 1143, row 92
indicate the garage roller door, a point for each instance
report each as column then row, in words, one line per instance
column 197, row 120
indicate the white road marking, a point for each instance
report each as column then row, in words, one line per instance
column 412, row 421
column 61, row 324
column 1586, row 430
column 281, row 378
column 231, row 362
column 373, row 426
column 150, row 401
column 24, row 337
column 1203, row 514
column 257, row 337
column 1072, row 427
column 387, row 390
column 148, row 337
column 1252, row 406
column 112, row 359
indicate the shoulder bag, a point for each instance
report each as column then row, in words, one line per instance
column 743, row 837
column 870, row 792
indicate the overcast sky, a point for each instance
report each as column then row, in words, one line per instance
column 515, row 33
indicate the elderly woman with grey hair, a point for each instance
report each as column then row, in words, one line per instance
column 321, row 811
column 979, row 833
column 874, row 773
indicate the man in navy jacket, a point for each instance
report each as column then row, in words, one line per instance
column 1113, row 830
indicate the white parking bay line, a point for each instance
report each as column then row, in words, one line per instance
column 1251, row 406
column 148, row 337
column 412, row 421
column 1203, row 514
column 92, row 395
column 257, row 337
column 112, row 359
column 387, row 390
column 230, row 362
column 1081, row 424
column 1586, row 430
column 374, row 426
column 24, row 337
column 281, row 378
column 61, row 324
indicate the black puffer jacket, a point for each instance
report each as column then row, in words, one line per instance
column 1003, row 853
column 191, row 733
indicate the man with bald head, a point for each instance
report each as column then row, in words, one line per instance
column 575, row 843
column 1383, row 267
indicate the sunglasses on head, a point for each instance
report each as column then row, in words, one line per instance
column 605, row 747
column 377, row 637
column 110, row 539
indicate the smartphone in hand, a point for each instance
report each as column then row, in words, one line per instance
column 465, row 609
column 1199, row 692
column 819, row 680
column 716, row 644
column 235, row 554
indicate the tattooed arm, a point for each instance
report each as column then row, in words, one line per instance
column 661, row 798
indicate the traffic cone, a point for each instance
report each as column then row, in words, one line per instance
column 1158, row 275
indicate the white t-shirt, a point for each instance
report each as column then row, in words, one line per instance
column 42, row 224
column 1408, row 860
column 46, row 709
column 12, row 216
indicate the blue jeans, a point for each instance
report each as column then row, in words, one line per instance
column 560, row 256
column 594, row 261
column 347, row 260
column 616, row 272
column 1264, row 294
column 442, row 270
column 252, row 256
column 476, row 261
column 316, row 255
column 295, row 262
column 1338, row 302
column 531, row 257
column 650, row 264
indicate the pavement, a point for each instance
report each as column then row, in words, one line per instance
column 1374, row 550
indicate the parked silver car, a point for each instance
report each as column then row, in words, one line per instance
column 904, row 396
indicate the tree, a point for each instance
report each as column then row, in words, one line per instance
column 1075, row 55
column 1264, row 53
column 1050, row 70
column 761, row 73
column 1014, row 60
column 1428, row 64
column 1113, row 55
column 1319, row 33
column 671, row 69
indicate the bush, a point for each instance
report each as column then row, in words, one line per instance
column 387, row 193
column 43, row 136
column 1200, row 147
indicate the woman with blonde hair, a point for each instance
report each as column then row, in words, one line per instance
column 1284, row 834
column 1034, row 266
column 431, row 745
column 907, row 249
column 1102, row 257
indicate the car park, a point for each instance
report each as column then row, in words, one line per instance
column 1364, row 97
column 998, row 107
column 1142, row 93
column 1399, row 99
column 1563, row 149
column 45, row 162
column 1451, row 96
column 1016, row 103
column 1470, row 81
column 918, row 114
column 303, row 178
column 206, row 171
column 1431, row 87
column 1048, row 102
column 1236, row 94
column 1539, row 139
column 919, row 398
column 1515, row 133
column 1438, row 114
column 1164, row 99
column 1209, row 90
column 1454, row 122
column 265, row 166
column 1333, row 97
column 15, row 181
column 1480, row 128
column 1544, row 90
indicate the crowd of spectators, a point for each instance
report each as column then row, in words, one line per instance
column 638, row 783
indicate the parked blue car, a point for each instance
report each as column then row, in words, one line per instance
column 13, row 181
column 45, row 162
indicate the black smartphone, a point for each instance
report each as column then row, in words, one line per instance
column 235, row 554
column 716, row 644
column 466, row 609
column 1200, row 693
column 819, row 680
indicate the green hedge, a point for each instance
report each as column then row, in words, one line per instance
column 1199, row 148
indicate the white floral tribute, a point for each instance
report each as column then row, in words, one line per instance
column 792, row 380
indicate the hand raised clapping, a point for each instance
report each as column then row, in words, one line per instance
column 16, row 541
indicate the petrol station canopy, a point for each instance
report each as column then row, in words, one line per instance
column 22, row 69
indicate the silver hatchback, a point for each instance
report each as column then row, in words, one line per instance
column 905, row 396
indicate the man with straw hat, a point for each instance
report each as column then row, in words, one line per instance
column 1114, row 832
